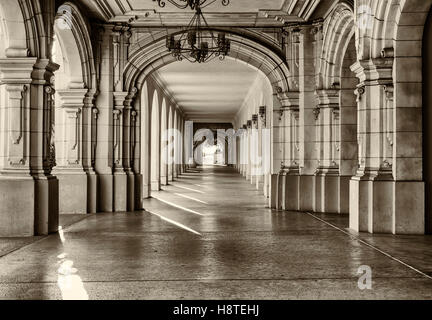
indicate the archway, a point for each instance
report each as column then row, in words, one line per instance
column 336, row 115
column 26, row 72
column 75, row 87
column 390, row 72
column 13, row 34
column 346, row 135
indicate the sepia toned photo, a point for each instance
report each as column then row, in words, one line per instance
column 215, row 150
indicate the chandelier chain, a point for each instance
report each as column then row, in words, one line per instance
column 198, row 43
column 193, row 4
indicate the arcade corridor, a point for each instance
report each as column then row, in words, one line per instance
column 208, row 236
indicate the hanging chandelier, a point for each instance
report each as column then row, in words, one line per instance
column 197, row 43
column 193, row 4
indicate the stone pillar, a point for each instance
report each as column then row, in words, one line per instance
column 90, row 118
column 120, row 182
column 327, row 178
column 164, row 146
column 378, row 202
column 70, row 122
column 291, row 163
column 259, row 162
column 265, row 150
column 29, row 193
column 136, row 144
column 176, row 146
column 129, row 136
column 277, row 153
column 18, row 197
column 103, row 144
column 170, row 143
column 308, row 162
column 245, row 152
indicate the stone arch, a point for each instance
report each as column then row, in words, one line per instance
column 75, row 84
column 338, row 31
column 395, row 31
column 73, row 35
column 24, row 29
column 152, row 56
column 13, row 35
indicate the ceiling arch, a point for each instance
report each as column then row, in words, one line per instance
column 154, row 56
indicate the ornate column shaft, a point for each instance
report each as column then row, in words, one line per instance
column 16, row 183
column 327, row 182
column 120, row 177
column 70, row 150
column 374, row 205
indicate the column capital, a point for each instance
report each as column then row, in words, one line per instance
column 327, row 97
column 374, row 71
column 120, row 99
column 16, row 70
column 72, row 98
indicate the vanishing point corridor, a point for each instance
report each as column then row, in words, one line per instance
column 208, row 235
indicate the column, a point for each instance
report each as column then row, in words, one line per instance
column 29, row 193
column 308, row 162
column 129, row 137
column 327, row 178
column 291, row 163
column 380, row 203
column 73, row 193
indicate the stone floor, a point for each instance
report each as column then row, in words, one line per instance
column 209, row 236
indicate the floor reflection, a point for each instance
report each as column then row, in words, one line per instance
column 69, row 282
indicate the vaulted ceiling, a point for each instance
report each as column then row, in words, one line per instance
column 209, row 92
column 213, row 91
column 247, row 13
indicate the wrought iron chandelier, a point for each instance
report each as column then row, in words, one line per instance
column 193, row 4
column 197, row 43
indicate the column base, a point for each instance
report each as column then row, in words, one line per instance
column 306, row 193
column 73, row 193
column 164, row 181
column 292, row 187
column 388, row 207
column 92, row 192
column 139, row 192
column 105, row 194
column 17, row 210
column 266, row 185
column 327, row 193
column 280, row 194
column 130, row 191
column 318, row 193
column 274, row 178
column 120, row 192
column 146, row 191
column 47, row 205
column 155, row 186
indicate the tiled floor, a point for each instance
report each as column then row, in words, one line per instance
column 209, row 236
